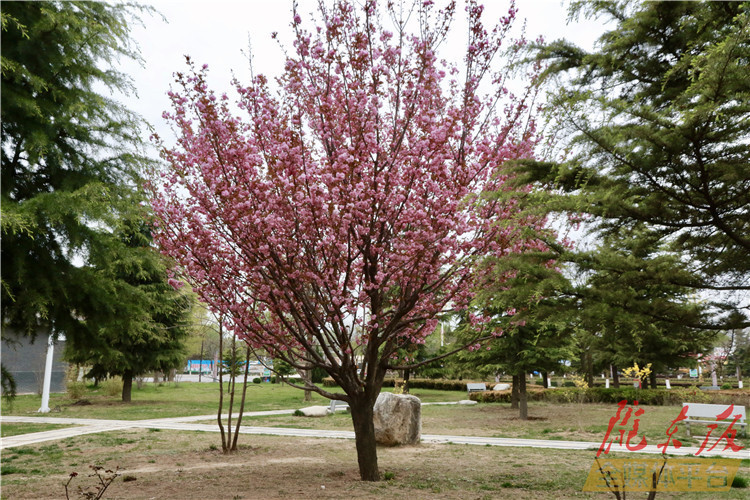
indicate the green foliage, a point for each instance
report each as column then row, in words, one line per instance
column 112, row 386
column 70, row 159
column 256, row 380
column 418, row 383
column 140, row 320
column 8, row 385
column 233, row 359
column 502, row 396
column 655, row 397
column 655, row 125
column 76, row 389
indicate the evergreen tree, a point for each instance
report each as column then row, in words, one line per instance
column 141, row 322
column 69, row 161
column 657, row 119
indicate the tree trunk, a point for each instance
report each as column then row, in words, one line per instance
column 545, row 380
column 127, row 385
column 615, row 377
column 589, row 369
column 224, row 444
column 407, row 374
column 652, row 378
column 523, row 396
column 364, row 437
column 242, row 402
column 514, row 393
column 739, row 373
column 307, row 378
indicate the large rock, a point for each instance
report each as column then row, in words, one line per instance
column 314, row 411
column 397, row 419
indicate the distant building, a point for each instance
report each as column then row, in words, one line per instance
column 25, row 361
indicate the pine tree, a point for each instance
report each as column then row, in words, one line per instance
column 656, row 120
column 69, row 157
column 141, row 321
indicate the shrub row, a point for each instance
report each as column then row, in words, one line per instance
column 657, row 397
column 420, row 383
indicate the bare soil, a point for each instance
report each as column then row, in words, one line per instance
column 187, row 465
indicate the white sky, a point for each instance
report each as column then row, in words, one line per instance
column 217, row 33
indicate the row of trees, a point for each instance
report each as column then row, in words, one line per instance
column 332, row 218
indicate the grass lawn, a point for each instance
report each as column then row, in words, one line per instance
column 184, row 465
column 180, row 399
column 571, row 422
column 158, row 401
column 14, row 429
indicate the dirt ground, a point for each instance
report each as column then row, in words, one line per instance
column 187, row 465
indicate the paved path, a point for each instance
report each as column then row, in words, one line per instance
column 91, row 426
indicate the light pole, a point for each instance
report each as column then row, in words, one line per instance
column 47, row 375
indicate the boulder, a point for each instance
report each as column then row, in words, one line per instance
column 314, row 411
column 501, row 387
column 397, row 419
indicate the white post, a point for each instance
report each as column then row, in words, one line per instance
column 47, row 376
column 606, row 383
column 669, row 386
column 739, row 383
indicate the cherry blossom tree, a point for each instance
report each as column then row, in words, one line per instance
column 334, row 215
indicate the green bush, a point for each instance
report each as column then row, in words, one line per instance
column 726, row 386
column 256, row 380
column 739, row 482
column 569, row 383
column 112, row 386
column 317, row 375
column 503, row 396
column 420, row 383
column 76, row 389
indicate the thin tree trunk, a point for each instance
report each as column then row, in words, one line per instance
column 407, row 374
column 615, row 378
column 523, row 396
column 127, row 385
column 242, row 402
column 232, row 385
column 224, row 444
column 545, row 380
column 514, row 393
column 364, row 437
column 652, row 378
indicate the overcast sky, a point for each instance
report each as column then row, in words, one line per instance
column 217, row 33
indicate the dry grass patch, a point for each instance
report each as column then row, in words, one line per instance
column 187, row 465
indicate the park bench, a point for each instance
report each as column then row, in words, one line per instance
column 336, row 403
column 475, row 387
column 699, row 412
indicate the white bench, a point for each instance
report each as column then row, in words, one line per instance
column 697, row 412
column 475, row 387
column 337, row 403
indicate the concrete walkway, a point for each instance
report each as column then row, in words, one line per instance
column 91, row 426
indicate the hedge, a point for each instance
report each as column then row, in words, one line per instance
column 657, row 397
column 420, row 383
